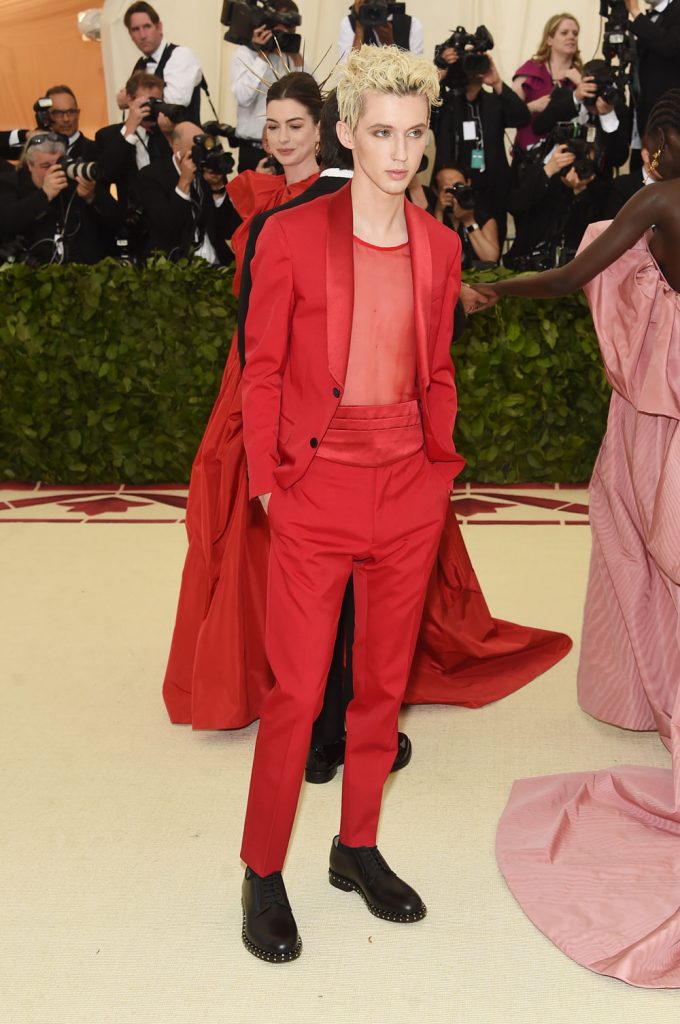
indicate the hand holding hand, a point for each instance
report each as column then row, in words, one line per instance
column 484, row 297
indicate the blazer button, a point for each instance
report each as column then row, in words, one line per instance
column 314, row 442
column 336, row 392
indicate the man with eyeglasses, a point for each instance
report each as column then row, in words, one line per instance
column 52, row 218
column 65, row 118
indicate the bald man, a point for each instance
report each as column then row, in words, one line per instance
column 188, row 212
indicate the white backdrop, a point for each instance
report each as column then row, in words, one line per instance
column 515, row 25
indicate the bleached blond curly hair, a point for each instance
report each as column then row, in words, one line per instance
column 384, row 69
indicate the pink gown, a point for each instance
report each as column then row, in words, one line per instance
column 593, row 858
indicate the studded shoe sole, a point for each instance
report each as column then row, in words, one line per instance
column 263, row 954
column 347, row 885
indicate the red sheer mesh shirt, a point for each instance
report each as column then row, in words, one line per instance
column 382, row 357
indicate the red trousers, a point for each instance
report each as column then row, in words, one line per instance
column 383, row 525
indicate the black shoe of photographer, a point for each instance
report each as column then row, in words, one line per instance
column 269, row 929
column 363, row 869
column 323, row 762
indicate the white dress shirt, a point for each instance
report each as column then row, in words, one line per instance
column 181, row 74
column 139, row 140
column 416, row 39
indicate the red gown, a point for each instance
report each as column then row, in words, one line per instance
column 217, row 674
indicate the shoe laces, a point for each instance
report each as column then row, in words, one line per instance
column 273, row 891
column 374, row 862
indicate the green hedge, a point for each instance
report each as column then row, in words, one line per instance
column 108, row 374
column 532, row 392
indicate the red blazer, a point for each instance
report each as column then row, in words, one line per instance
column 298, row 335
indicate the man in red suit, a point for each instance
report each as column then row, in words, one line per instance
column 348, row 410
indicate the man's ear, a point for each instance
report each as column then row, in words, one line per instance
column 344, row 134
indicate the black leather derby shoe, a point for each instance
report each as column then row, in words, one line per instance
column 363, row 869
column 323, row 762
column 269, row 929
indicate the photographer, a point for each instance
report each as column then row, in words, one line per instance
column 380, row 23
column 556, row 64
column 469, row 127
column 254, row 67
column 555, row 199
column 176, row 66
column 658, row 55
column 122, row 150
column 56, row 214
column 602, row 105
column 187, row 209
column 65, row 119
column 454, row 204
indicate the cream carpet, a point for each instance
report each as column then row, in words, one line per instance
column 120, row 832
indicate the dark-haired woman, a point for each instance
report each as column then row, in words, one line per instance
column 219, row 626
column 594, row 857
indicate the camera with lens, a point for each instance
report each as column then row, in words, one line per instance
column 173, row 111
column 242, row 17
column 374, row 13
column 618, row 42
column 85, row 170
column 545, row 256
column 209, row 155
column 471, row 49
column 219, row 130
column 605, row 78
column 579, row 139
column 463, row 194
column 42, row 109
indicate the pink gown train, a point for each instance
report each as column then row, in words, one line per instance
column 594, row 857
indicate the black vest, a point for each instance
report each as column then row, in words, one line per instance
column 194, row 108
column 401, row 30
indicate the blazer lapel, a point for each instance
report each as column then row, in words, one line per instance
column 339, row 282
column 421, row 269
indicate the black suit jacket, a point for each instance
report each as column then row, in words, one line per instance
column 172, row 221
column 613, row 147
column 658, row 57
column 497, row 111
column 26, row 212
column 118, row 162
column 83, row 149
column 323, row 186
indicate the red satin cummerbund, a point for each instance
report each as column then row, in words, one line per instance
column 373, row 435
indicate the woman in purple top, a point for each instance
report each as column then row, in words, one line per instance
column 557, row 62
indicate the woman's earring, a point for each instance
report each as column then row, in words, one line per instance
column 654, row 162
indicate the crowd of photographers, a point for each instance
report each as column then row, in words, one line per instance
column 156, row 182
